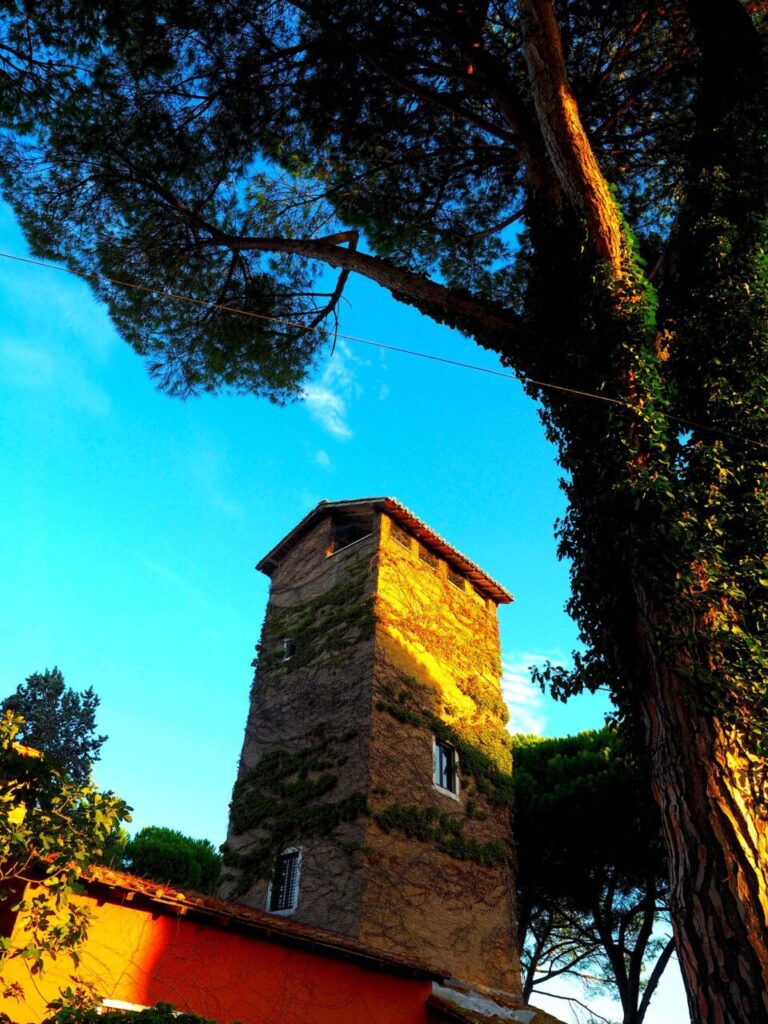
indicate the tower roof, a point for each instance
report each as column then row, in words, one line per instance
column 479, row 579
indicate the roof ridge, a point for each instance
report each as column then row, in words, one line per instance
column 474, row 573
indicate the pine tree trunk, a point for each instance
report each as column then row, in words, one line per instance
column 713, row 812
column 714, row 822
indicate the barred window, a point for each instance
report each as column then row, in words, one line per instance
column 284, row 889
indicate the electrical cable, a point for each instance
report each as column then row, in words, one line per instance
column 521, row 378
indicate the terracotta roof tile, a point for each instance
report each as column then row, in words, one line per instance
column 480, row 579
column 224, row 913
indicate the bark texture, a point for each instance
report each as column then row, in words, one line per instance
column 714, row 821
column 565, row 139
column 708, row 788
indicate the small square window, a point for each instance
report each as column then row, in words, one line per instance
column 283, row 894
column 446, row 777
column 427, row 557
column 399, row 534
column 455, row 578
column 289, row 648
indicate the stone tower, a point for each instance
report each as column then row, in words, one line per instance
column 372, row 795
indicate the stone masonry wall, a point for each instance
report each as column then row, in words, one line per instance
column 303, row 772
column 338, row 755
column 439, row 875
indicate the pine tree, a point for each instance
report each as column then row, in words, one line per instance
column 58, row 721
column 582, row 188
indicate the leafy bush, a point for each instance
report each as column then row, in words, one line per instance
column 51, row 830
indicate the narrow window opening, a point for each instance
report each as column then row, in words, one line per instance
column 283, row 894
column 399, row 534
column 347, row 530
column 289, row 648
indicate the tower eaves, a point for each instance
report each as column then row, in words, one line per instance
column 423, row 533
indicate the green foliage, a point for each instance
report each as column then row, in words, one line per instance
column 168, row 856
column 591, row 867
column 113, row 852
column 295, row 133
column 59, row 721
column 483, row 753
column 445, row 831
column 51, row 830
column 323, row 627
column 677, row 504
column 288, row 793
column 285, row 796
column 304, row 125
column 425, row 130
column 582, row 814
column 163, row 1013
column 478, row 763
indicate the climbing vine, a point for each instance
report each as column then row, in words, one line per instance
column 484, row 757
column 293, row 794
column 446, row 831
column 286, row 795
column 324, row 627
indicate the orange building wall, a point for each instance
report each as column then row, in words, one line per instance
column 141, row 956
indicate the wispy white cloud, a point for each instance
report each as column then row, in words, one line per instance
column 26, row 365
column 68, row 306
column 206, row 465
column 328, row 398
column 328, row 408
column 323, row 459
column 33, row 367
column 526, row 702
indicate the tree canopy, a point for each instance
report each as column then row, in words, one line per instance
column 229, row 151
column 59, row 721
column 170, row 857
column 580, row 187
column 592, row 875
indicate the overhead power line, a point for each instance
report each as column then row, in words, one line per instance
column 415, row 353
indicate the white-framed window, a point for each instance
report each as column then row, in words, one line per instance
column 446, row 776
column 283, row 890
column 289, row 648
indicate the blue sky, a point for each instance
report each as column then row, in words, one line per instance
column 132, row 521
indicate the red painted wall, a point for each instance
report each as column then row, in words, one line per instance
column 143, row 956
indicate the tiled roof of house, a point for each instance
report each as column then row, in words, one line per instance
column 226, row 914
column 455, row 1003
column 480, row 579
